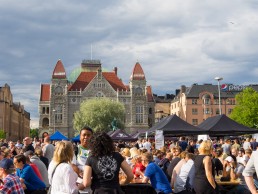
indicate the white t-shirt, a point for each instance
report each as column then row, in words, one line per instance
column 64, row 179
column 147, row 145
column 246, row 145
column 81, row 157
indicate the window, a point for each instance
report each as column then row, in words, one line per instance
column 139, row 114
column 195, row 122
column 150, row 111
column 216, row 101
column 195, row 111
column 230, row 110
column 99, row 94
column 206, row 101
column 194, row 101
column 217, row 111
column 230, row 101
column 58, row 114
column 206, row 111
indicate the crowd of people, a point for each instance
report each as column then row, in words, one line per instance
column 100, row 166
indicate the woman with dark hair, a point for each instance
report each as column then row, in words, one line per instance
column 102, row 167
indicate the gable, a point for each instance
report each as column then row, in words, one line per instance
column 82, row 81
column 114, row 81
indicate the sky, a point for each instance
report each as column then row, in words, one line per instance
column 176, row 42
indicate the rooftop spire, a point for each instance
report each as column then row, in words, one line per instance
column 59, row 71
column 138, row 73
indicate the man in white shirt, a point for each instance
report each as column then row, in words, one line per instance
column 147, row 145
column 184, row 180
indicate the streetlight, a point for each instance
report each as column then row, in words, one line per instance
column 54, row 112
column 219, row 79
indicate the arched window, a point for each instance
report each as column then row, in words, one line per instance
column 206, row 99
column 45, row 123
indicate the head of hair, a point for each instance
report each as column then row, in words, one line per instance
column 47, row 139
column 190, row 155
column 218, row 152
column 38, row 151
column 205, row 147
column 86, row 128
column 63, row 152
column 27, row 159
column 101, row 145
column 182, row 154
column 20, row 158
column 148, row 156
column 248, row 151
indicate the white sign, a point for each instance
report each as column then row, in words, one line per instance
column 159, row 139
column 203, row 137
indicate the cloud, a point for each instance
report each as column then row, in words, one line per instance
column 176, row 42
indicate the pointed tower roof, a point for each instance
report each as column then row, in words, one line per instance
column 138, row 73
column 59, row 71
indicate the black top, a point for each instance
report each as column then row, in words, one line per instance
column 105, row 170
column 28, row 147
column 201, row 183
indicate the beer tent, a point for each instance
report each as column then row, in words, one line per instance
column 172, row 125
column 222, row 125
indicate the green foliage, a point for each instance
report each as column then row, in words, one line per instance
column 98, row 114
column 245, row 112
column 34, row 133
column 2, row 134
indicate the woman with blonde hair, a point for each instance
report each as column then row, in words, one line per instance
column 204, row 181
column 60, row 172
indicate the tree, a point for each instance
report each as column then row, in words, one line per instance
column 2, row 134
column 245, row 112
column 34, row 133
column 98, row 114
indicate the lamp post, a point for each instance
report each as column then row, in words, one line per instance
column 54, row 112
column 219, row 79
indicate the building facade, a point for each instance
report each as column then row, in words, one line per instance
column 60, row 99
column 162, row 106
column 14, row 120
column 196, row 103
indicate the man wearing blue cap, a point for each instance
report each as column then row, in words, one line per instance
column 10, row 183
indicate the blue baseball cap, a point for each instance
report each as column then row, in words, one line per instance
column 6, row 163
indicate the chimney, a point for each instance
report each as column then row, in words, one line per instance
column 115, row 70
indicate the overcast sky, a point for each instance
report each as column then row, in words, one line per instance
column 177, row 42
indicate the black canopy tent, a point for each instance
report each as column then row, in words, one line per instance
column 120, row 134
column 222, row 125
column 172, row 125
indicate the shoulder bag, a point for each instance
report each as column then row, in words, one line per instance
column 49, row 189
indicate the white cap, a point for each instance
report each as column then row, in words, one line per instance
column 229, row 159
